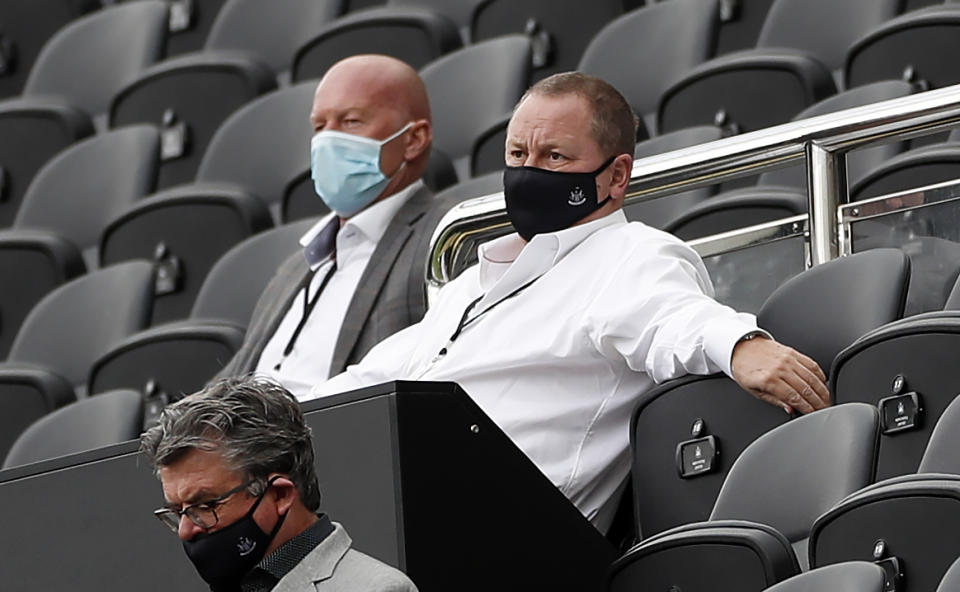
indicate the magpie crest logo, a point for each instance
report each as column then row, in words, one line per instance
column 576, row 197
column 245, row 546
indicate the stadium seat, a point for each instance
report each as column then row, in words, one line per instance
column 86, row 63
column 301, row 201
column 94, row 422
column 907, row 362
column 909, row 170
column 828, row 307
column 62, row 336
column 940, row 453
column 740, row 24
column 416, row 36
column 460, row 12
column 184, row 230
column 951, row 579
column 861, row 161
column 852, row 576
column 473, row 90
column 31, row 133
column 476, row 187
column 180, row 357
column 790, row 69
column 906, row 524
column 189, row 97
column 915, row 47
column 737, row 208
column 270, row 32
column 804, row 467
column 643, row 51
column 25, row 25
column 676, row 414
column 659, row 211
column 190, row 23
column 560, row 29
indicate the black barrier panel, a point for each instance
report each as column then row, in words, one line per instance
column 418, row 475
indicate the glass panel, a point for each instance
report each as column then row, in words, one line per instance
column 930, row 235
column 744, row 278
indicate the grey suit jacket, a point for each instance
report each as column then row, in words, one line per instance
column 390, row 296
column 334, row 567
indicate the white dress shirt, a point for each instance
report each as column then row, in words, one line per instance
column 308, row 363
column 615, row 307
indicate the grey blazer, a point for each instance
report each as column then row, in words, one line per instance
column 333, row 566
column 390, row 296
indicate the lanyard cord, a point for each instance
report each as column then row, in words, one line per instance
column 308, row 306
column 464, row 322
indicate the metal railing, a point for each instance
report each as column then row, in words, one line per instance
column 822, row 142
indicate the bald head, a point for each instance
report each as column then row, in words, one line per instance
column 375, row 96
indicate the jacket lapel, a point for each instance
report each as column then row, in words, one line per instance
column 318, row 565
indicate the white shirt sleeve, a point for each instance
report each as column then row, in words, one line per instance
column 657, row 313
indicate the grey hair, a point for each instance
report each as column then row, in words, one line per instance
column 254, row 423
column 613, row 124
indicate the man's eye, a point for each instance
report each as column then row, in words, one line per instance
column 516, row 153
column 556, row 156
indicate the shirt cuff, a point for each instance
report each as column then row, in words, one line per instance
column 722, row 335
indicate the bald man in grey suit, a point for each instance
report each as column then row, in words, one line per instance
column 330, row 304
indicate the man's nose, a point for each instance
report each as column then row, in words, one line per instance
column 187, row 529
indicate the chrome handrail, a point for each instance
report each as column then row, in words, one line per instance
column 822, row 141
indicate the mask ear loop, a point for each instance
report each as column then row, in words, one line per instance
column 392, row 138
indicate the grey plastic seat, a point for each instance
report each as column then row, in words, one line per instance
column 26, row 26
column 851, row 576
column 414, row 35
column 916, row 46
column 31, row 133
column 828, row 307
column 951, row 579
column 909, row 170
column 803, row 467
column 562, row 29
column 940, row 453
column 62, row 336
column 190, row 23
column 740, row 24
column 737, row 208
column 915, row 517
column 460, row 12
column 859, row 162
column 62, row 214
column 472, row 91
column 176, row 358
column 643, row 51
column 88, row 61
column 94, row 422
column 659, row 212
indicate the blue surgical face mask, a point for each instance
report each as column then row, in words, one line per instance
column 346, row 169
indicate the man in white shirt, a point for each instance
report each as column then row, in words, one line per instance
column 560, row 328
column 360, row 275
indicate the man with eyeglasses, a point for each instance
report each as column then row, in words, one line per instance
column 236, row 465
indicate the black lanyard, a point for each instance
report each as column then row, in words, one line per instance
column 308, row 305
column 465, row 322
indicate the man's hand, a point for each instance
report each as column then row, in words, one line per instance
column 779, row 375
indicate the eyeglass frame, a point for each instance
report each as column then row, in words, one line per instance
column 174, row 525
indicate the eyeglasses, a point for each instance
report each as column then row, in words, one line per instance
column 203, row 514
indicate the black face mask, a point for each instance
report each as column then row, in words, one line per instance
column 541, row 201
column 223, row 557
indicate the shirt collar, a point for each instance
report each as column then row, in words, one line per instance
column 288, row 555
column 320, row 241
column 497, row 256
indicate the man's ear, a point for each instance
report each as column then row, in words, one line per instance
column 621, row 169
column 419, row 139
column 285, row 494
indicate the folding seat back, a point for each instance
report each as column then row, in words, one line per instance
column 89, row 60
column 915, row 46
column 562, row 29
column 189, row 97
column 852, row 575
column 264, row 145
column 737, row 208
column 823, row 28
column 671, row 484
column 458, row 11
column 26, row 26
column 416, row 36
column 951, row 579
column 828, row 307
column 180, row 357
column 190, row 23
column 908, row 525
column 184, row 230
column 31, row 133
column 94, row 422
column 906, row 370
column 270, row 31
column 940, row 455
column 473, row 89
column 643, row 51
column 927, row 165
column 861, row 161
column 76, row 193
column 740, row 24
